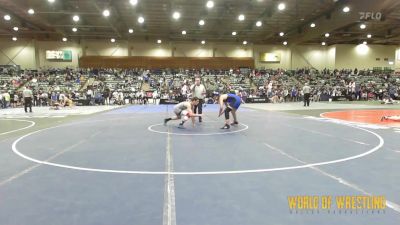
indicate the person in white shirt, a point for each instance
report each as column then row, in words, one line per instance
column 89, row 94
column 139, row 97
column 185, row 91
column 115, row 97
column 61, row 97
column 121, row 98
column 269, row 89
column 307, row 92
column 285, row 94
column 198, row 91
column 27, row 95
column 155, row 95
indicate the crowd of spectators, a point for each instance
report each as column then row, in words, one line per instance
column 141, row 86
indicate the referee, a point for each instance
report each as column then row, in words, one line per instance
column 198, row 91
column 27, row 95
column 306, row 92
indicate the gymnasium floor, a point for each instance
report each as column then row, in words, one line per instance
column 122, row 166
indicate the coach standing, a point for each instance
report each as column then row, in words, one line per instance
column 306, row 93
column 199, row 91
column 27, row 94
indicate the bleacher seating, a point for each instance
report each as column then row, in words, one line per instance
column 129, row 83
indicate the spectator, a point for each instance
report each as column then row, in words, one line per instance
column 7, row 98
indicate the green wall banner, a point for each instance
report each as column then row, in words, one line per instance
column 63, row 55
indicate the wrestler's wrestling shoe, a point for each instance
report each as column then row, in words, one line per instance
column 234, row 123
column 226, row 126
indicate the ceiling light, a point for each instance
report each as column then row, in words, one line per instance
column 258, row 23
column 15, row 28
column 210, row 4
column 369, row 36
column 184, row 32
column 281, row 6
column 312, row 25
column 64, row 39
column 285, row 43
column 159, row 41
column 133, row 2
column 241, row 17
column 201, row 22
column 140, row 19
column 203, row 42
column 112, row 40
column 281, row 34
column 245, row 42
column 234, row 33
column 365, row 43
column 130, row 31
column 31, row 11
column 363, row 26
column 51, row 1
column 14, row 39
column 75, row 18
column 176, row 15
column 74, row 29
column 323, row 43
column 106, row 13
column 7, row 17
column 346, row 9
column 327, row 35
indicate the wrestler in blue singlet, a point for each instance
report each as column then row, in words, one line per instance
column 233, row 101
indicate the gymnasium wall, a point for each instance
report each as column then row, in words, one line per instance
column 331, row 57
column 104, row 48
column 18, row 53
column 292, row 57
column 281, row 50
column 312, row 56
column 43, row 63
column 149, row 62
column 31, row 54
column 150, row 49
column 239, row 50
column 192, row 50
column 364, row 56
column 124, row 48
column 397, row 61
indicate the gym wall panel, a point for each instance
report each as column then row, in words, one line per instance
column 165, row 62
column 43, row 46
column 364, row 56
column 150, row 49
column 105, row 48
column 331, row 56
column 193, row 50
column 311, row 56
column 238, row 50
column 397, row 61
column 284, row 52
column 31, row 54
column 21, row 52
